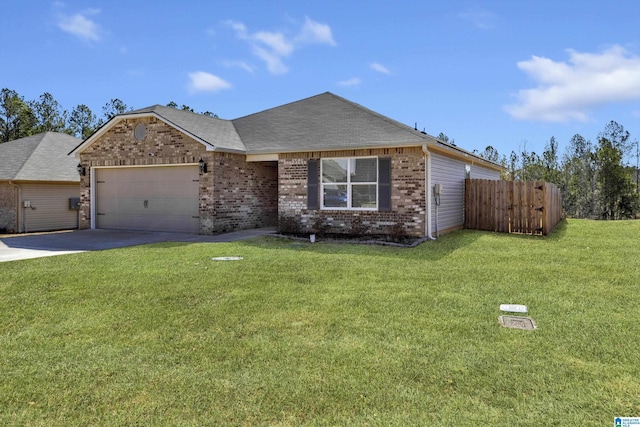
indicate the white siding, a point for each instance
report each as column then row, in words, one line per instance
column 450, row 173
column 479, row 172
column 49, row 207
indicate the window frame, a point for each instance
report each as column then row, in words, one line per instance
column 349, row 184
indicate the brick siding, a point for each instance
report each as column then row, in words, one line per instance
column 408, row 212
column 244, row 193
column 7, row 207
column 234, row 195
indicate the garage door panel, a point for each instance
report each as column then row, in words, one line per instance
column 166, row 223
column 171, row 206
column 152, row 198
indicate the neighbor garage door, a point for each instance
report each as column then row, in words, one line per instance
column 150, row 198
column 49, row 207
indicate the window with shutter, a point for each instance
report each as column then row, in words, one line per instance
column 354, row 183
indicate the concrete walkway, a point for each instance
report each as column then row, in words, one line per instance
column 25, row 246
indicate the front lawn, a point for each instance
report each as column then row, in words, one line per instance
column 327, row 334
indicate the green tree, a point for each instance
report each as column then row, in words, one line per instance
column 579, row 178
column 442, row 137
column 532, row 167
column 490, row 154
column 616, row 194
column 184, row 107
column 551, row 166
column 618, row 136
column 112, row 109
column 49, row 114
column 512, row 167
column 16, row 117
column 82, row 121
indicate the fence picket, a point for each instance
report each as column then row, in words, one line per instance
column 530, row 207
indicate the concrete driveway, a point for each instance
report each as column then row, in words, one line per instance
column 27, row 246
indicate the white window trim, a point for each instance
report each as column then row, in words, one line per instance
column 349, row 184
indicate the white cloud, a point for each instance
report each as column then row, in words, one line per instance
column 480, row 18
column 315, row 32
column 274, row 47
column 274, row 62
column 80, row 25
column 238, row 64
column 201, row 81
column 355, row 81
column 380, row 68
column 566, row 91
column 274, row 42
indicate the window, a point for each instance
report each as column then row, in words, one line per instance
column 349, row 183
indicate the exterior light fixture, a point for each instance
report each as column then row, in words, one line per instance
column 202, row 165
column 81, row 169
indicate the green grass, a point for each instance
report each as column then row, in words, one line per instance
column 327, row 334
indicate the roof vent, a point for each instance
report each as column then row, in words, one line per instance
column 140, row 132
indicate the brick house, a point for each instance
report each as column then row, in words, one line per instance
column 37, row 179
column 321, row 162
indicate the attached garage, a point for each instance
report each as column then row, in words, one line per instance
column 154, row 198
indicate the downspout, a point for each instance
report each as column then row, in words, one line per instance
column 427, row 192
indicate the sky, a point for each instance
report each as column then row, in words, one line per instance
column 507, row 74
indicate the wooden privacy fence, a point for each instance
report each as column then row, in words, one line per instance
column 529, row 207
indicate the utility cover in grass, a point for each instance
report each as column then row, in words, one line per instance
column 514, row 308
column 517, row 322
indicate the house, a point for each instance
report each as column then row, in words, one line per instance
column 323, row 161
column 37, row 181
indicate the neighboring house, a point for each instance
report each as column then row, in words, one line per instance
column 322, row 162
column 37, row 179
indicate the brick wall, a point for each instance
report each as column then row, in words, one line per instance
column 407, row 215
column 234, row 195
column 244, row 194
column 7, row 207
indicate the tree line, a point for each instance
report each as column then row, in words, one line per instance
column 595, row 179
column 20, row 118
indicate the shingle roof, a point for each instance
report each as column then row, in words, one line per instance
column 211, row 130
column 41, row 157
column 323, row 122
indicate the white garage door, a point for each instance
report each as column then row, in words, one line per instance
column 151, row 198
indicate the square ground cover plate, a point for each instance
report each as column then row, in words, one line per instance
column 517, row 322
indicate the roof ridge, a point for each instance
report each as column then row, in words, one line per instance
column 386, row 118
column 39, row 137
column 285, row 105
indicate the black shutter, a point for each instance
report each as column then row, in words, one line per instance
column 384, row 185
column 312, row 184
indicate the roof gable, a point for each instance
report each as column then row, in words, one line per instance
column 41, row 157
column 214, row 133
column 323, row 122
